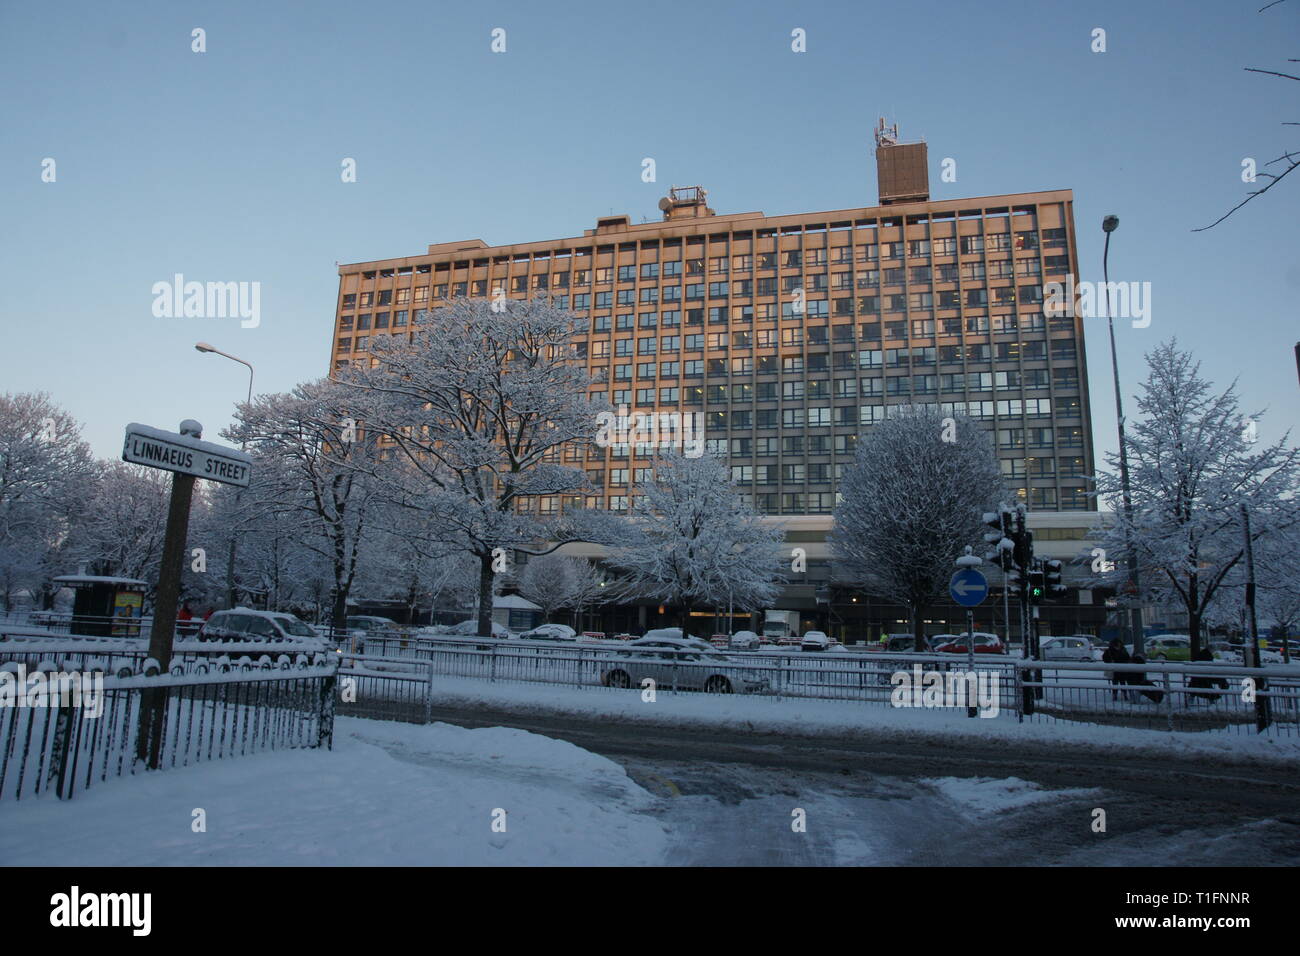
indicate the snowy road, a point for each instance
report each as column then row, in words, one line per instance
column 727, row 799
column 572, row 791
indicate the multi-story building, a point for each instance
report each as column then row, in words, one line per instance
column 792, row 334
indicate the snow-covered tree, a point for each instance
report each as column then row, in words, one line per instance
column 44, row 466
column 317, row 469
column 694, row 542
column 478, row 406
column 555, row 581
column 546, row 582
column 1194, row 460
column 124, row 522
column 587, row 589
column 913, row 498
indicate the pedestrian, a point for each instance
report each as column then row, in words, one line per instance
column 1139, row 678
column 1203, row 654
column 1115, row 654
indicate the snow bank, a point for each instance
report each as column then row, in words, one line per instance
column 389, row 794
column 985, row 795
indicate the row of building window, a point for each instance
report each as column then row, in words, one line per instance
column 1019, row 241
column 744, row 315
column 1072, row 498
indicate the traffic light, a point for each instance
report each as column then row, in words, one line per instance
column 1052, row 572
column 1037, row 586
column 1024, row 546
column 1002, row 523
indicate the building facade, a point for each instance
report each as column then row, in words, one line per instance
column 791, row 335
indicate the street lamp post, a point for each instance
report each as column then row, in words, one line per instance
column 1108, row 225
column 230, row 556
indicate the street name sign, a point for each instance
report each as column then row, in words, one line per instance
column 186, row 455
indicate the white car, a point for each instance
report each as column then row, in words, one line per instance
column 470, row 629
column 679, row 662
column 675, row 634
column 745, row 641
column 1065, row 649
column 550, row 632
column 814, row 641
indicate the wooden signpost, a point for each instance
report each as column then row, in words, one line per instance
column 188, row 457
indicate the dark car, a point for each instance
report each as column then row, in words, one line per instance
column 896, row 643
column 246, row 624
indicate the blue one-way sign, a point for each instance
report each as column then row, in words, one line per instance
column 968, row 587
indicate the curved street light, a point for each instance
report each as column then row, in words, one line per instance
column 1108, row 225
column 230, row 557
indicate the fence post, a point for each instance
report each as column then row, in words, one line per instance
column 428, row 695
column 1026, row 693
column 492, row 674
column 58, row 771
column 1020, row 706
column 1169, row 701
column 325, row 727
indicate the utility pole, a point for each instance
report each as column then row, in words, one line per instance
column 1262, row 715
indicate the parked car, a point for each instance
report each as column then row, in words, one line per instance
column 247, row 624
column 470, row 629
column 745, row 641
column 985, row 643
column 814, row 641
column 1065, row 648
column 550, row 632
column 675, row 634
column 361, row 626
column 897, row 643
column 1168, row 647
column 667, row 660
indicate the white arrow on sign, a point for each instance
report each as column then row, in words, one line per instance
column 962, row 587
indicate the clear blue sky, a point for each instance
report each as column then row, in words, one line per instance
column 225, row 165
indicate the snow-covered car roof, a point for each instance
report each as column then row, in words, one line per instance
column 256, row 612
column 689, row 643
column 470, row 627
column 566, row 632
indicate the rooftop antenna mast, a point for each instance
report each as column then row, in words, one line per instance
column 886, row 135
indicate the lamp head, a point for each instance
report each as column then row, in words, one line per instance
column 1110, row 223
column 204, row 347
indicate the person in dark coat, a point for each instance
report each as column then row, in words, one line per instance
column 1115, row 654
column 1139, row 678
column 1203, row 653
